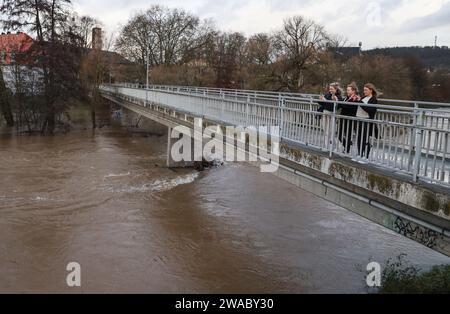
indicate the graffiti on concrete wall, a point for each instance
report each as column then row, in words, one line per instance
column 415, row 232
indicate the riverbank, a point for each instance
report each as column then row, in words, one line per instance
column 78, row 118
column 402, row 277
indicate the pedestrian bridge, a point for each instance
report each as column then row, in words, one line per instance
column 399, row 178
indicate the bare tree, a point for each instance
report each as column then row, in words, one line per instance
column 167, row 36
column 226, row 55
column 260, row 49
column 94, row 68
column 419, row 76
column 390, row 75
column 81, row 28
column 439, row 87
column 297, row 45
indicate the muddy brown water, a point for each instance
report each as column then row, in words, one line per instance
column 105, row 200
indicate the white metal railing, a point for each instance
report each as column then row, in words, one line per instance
column 407, row 137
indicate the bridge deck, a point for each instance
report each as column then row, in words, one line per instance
column 411, row 140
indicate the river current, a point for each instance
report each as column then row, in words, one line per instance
column 106, row 200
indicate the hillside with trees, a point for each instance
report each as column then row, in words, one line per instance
column 432, row 58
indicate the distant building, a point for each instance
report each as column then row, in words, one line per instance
column 18, row 59
column 16, row 48
column 97, row 38
column 346, row 52
column 118, row 67
column 19, row 55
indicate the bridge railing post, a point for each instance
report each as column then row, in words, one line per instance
column 419, row 137
column 204, row 103
column 331, row 145
column 247, row 104
column 281, row 105
column 222, row 108
column 412, row 139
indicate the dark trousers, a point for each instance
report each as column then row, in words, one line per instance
column 346, row 133
column 364, row 131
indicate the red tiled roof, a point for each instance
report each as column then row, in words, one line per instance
column 17, row 44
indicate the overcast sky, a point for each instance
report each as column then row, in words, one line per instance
column 377, row 23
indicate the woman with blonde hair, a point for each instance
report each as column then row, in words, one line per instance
column 327, row 108
column 334, row 94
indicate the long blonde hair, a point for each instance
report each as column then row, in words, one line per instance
column 337, row 87
column 375, row 92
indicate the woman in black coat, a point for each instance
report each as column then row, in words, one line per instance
column 346, row 126
column 334, row 94
column 366, row 130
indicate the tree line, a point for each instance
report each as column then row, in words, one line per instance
column 183, row 49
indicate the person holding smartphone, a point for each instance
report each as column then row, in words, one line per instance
column 327, row 108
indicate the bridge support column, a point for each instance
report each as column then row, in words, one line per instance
column 185, row 146
column 169, row 147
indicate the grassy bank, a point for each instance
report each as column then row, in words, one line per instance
column 400, row 277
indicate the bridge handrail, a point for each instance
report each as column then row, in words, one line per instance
column 276, row 94
column 413, row 104
column 415, row 140
column 307, row 101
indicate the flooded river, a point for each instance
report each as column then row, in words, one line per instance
column 106, row 201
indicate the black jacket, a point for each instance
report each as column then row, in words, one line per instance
column 329, row 106
column 349, row 110
column 372, row 111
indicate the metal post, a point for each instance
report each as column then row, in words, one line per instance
column 169, row 146
column 222, row 109
column 147, row 78
column 282, row 116
column 419, row 133
column 444, row 154
column 413, row 133
column 333, row 131
column 204, row 104
column 247, row 123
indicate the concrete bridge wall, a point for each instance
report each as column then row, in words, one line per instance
column 419, row 212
